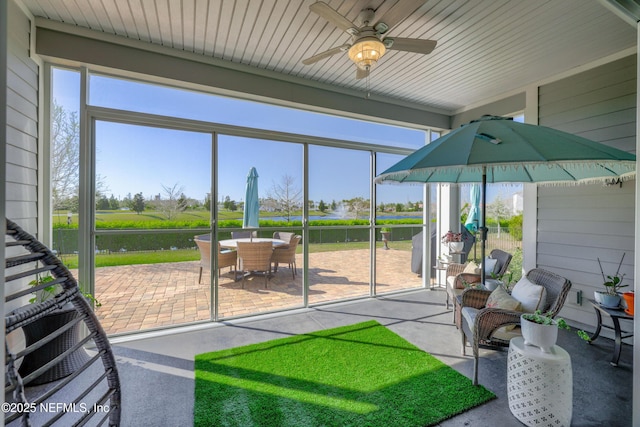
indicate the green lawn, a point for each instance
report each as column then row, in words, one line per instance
column 60, row 217
column 105, row 217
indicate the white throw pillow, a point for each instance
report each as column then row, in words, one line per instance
column 532, row 297
column 471, row 268
column 489, row 266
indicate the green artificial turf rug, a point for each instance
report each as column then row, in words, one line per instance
column 357, row 375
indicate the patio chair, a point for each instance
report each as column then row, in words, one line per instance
column 494, row 327
column 226, row 257
column 255, row 258
column 45, row 342
column 457, row 277
column 284, row 235
column 287, row 255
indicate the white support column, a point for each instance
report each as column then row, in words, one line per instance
column 448, row 199
column 530, row 195
column 426, row 238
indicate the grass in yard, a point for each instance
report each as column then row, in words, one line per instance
column 131, row 258
column 357, row 375
column 190, row 215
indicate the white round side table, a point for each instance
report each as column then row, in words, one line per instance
column 539, row 385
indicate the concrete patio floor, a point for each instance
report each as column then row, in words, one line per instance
column 158, row 378
column 142, row 297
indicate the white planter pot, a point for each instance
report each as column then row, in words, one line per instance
column 456, row 246
column 596, row 296
column 542, row 336
column 607, row 300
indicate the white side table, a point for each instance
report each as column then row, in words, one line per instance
column 539, row 385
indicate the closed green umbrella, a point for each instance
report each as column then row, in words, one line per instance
column 473, row 218
column 472, row 224
column 497, row 149
column 251, row 202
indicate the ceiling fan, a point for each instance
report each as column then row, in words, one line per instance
column 369, row 41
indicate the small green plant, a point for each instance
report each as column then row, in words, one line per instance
column 613, row 284
column 506, row 279
column 469, row 285
column 45, row 293
column 49, row 292
column 546, row 319
column 385, row 230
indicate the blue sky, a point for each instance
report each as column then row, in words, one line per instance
column 132, row 159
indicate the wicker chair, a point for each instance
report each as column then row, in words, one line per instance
column 226, row 258
column 456, row 279
column 55, row 345
column 284, row 235
column 287, row 255
column 255, row 258
column 485, row 327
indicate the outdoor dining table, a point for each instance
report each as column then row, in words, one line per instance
column 233, row 243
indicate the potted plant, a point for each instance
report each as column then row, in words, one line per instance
column 471, row 285
column 610, row 297
column 385, row 232
column 453, row 241
column 541, row 330
column 629, row 298
column 497, row 280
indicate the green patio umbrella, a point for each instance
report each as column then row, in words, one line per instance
column 497, row 149
column 251, row 202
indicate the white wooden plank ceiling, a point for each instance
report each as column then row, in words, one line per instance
column 486, row 48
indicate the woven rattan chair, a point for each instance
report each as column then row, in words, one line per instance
column 284, row 235
column 287, row 255
column 485, row 327
column 55, row 343
column 457, row 279
column 255, row 258
column 226, row 258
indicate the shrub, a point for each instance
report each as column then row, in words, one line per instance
column 515, row 227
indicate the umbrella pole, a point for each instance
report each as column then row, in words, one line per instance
column 483, row 228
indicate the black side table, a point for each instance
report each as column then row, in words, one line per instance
column 615, row 314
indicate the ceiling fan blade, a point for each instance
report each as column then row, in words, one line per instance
column 361, row 73
column 325, row 11
column 410, row 45
column 400, row 11
column 327, row 53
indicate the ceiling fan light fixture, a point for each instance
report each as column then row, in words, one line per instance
column 366, row 52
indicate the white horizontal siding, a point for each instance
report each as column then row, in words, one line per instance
column 22, row 124
column 577, row 225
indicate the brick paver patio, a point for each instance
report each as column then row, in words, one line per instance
column 139, row 297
